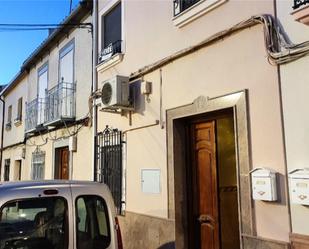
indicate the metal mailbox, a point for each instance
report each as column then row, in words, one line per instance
column 299, row 186
column 264, row 184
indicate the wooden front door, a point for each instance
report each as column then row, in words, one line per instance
column 204, row 217
column 62, row 163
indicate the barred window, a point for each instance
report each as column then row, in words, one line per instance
column 182, row 5
column 109, row 163
column 38, row 164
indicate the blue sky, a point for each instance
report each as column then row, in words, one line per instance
column 15, row 47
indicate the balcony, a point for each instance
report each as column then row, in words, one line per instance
column 182, row 5
column 34, row 114
column 60, row 104
column 301, row 11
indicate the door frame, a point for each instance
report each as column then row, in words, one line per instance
column 177, row 200
column 58, row 144
column 58, row 162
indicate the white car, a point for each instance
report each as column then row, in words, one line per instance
column 58, row 215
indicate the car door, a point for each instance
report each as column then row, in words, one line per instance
column 93, row 217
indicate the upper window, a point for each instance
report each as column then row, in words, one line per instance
column 299, row 3
column 34, row 223
column 182, row 5
column 111, row 33
column 66, row 63
column 9, row 118
column 93, row 230
column 38, row 164
column 19, row 110
column 185, row 11
column 42, row 88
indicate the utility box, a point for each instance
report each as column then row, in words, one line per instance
column 264, row 184
column 299, row 186
column 73, row 143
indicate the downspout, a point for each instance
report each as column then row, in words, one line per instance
column 283, row 133
column 94, row 84
column 2, row 132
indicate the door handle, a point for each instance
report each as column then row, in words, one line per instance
column 204, row 218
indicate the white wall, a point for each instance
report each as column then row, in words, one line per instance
column 236, row 63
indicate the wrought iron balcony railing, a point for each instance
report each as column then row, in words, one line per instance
column 182, row 5
column 110, row 50
column 299, row 3
column 35, row 114
column 60, row 103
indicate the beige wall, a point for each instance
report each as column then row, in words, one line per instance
column 236, row 63
column 149, row 33
column 295, row 89
column 16, row 133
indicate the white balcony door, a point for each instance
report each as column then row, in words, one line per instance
column 42, row 87
column 66, row 77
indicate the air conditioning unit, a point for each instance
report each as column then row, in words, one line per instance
column 115, row 93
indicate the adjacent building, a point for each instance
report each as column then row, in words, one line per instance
column 47, row 131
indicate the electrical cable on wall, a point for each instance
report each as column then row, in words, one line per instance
column 76, row 127
column 10, row 27
column 280, row 50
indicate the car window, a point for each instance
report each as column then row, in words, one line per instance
column 34, row 223
column 93, row 230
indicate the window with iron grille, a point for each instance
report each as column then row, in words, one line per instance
column 109, row 146
column 7, row 163
column 38, row 164
column 182, row 5
column 299, row 3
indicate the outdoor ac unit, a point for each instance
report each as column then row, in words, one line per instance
column 115, row 93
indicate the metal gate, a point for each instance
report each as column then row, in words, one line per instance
column 109, row 162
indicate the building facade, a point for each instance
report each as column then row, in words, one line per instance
column 189, row 117
column 204, row 110
column 47, row 131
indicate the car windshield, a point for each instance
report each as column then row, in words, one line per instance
column 38, row 223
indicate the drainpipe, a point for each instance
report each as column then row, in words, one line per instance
column 286, row 180
column 94, row 83
column 2, row 132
